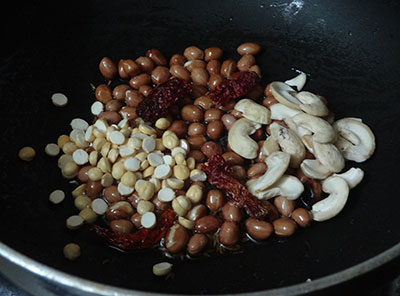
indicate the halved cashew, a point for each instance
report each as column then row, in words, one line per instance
column 301, row 131
column 312, row 104
column 356, row 140
column 289, row 143
column 284, row 94
column 307, row 141
column 322, row 131
column 239, row 140
column 270, row 145
column 282, row 112
column 329, row 156
column 306, row 101
column 353, row 177
column 288, row 186
column 331, row 206
column 305, row 135
column 330, row 117
column 299, row 81
column 312, row 168
column 266, row 194
column 285, row 113
column 253, row 111
column 290, row 123
column 277, row 163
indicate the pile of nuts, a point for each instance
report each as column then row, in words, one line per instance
column 277, row 140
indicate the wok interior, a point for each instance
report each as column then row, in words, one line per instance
column 349, row 54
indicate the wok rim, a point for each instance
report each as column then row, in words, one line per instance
column 83, row 285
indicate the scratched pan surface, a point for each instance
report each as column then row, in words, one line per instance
column 350, row 53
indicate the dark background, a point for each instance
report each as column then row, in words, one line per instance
column 350, row 51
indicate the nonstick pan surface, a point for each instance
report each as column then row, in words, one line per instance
column 350, row 51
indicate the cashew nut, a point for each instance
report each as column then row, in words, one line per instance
column 306, row 101
column 282, row 112
column 307, row 141
column 299, row 81
column 284, row 94
column 312, row 104
column 239, row 140
column 277, row 163
column 353, row 177
column 312, row 168
column 329, row 156
column 356, row 140
column 330, row 117
column 253, row 111
column 266, row 194
column 289, row 143
column 290, row 187
column 270, row 145
column 322, row 131
column 287, row 185
column 331, row 206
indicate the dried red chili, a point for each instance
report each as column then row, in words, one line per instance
column 231, row 89
column 219, row 173
column 142, row 239
column 161, row 98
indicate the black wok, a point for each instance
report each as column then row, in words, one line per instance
column 351, row 51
